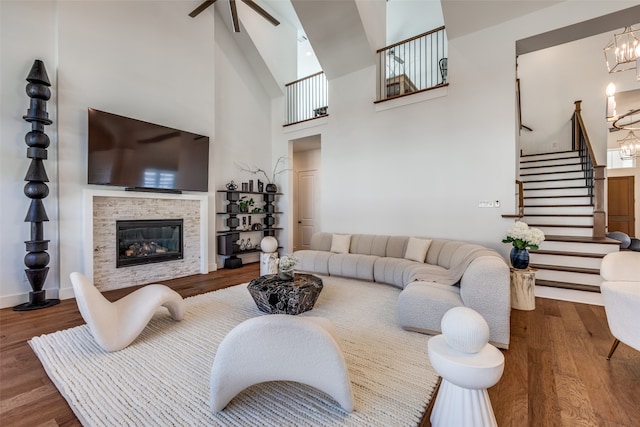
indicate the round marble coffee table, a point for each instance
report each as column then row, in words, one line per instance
column 274, row 295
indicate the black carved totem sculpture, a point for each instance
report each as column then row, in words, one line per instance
column 36, row 188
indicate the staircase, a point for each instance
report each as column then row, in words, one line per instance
column 557, row 200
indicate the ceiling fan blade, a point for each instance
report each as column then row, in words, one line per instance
column 234, row 16
column 253, row 5
column 195, row 12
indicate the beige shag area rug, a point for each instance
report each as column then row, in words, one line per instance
column 162, row 379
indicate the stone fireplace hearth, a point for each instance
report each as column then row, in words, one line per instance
column 106, row 208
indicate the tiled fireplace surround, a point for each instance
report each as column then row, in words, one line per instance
column 103, row 208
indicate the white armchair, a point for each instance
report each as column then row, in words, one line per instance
column 621, row 294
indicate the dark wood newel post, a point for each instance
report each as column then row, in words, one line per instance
column 37, row 258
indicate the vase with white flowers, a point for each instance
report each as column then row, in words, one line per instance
column 286, row 264
column 523, row 238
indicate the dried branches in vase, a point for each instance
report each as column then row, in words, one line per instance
column 278, row 168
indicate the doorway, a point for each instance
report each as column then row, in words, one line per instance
column 620, row 202
column 306, row 190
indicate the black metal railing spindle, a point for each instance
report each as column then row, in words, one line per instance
column 412, row 65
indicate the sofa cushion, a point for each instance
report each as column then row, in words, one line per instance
column 417, row 249
column 321, row 242
column 421, row 305
column 392, row 271
column 397, row 246
column 356, row 266
column 340, row 243
column 369, row 244
column 313, row 261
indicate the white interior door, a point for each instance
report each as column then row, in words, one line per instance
column 307, row 199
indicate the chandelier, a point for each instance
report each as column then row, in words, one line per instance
column 623, row 51
column 629, row 146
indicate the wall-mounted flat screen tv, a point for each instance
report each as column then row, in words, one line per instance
column 130, row 153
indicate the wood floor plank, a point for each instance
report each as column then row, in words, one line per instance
column 556, row 373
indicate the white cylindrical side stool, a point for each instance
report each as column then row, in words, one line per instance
column 269, row 255
column 468, row 366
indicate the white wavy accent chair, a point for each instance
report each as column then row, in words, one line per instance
column 280, row 347
column 114, row 325
column 621, row 294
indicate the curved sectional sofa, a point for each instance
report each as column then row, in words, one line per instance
column 449, row 274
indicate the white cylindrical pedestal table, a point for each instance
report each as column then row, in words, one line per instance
column 463, row 399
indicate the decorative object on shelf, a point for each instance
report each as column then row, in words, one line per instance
column 623, row 51
column 244, row 222
column 37, row 258
column 248, row 245
column 232, row 186
column 277, row 170
column 245, row 204
column 286, row 264
column 251, row 186
column 271, row 188
column 260, row 186
column 242, row 245
column 256, row 210
column 523, row 238
column 256, row 227
column 245, row 186
column 249, row 222
column 233, row 198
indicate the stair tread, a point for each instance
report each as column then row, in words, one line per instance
column 549, row 153
column 571, row 187
column 561, row 225
column 567, row 285
column 549, row 160
column 551, row 180
column 558, row 206
column 551, row 166
column 547, row 173
column 561, row 196
column 581, row 239
column 565, row 268
column 574, row 254
column 562, row 215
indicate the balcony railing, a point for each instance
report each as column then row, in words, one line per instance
column 306, row 99
column 413, row 65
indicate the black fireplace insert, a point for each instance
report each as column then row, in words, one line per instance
column 148, row 241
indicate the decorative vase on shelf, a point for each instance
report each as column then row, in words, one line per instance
column 285, row 274
column 519, row 258
column 271, row 188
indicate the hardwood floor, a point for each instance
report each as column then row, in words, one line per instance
column 556, row 372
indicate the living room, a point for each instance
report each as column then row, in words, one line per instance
column 132, row 73
column 417, row 169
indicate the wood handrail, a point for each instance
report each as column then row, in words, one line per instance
column 435, row 30
column 583, row 128
column 596, row 173
column 304, row 78
column 520, row 197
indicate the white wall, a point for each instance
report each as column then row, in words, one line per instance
column 243, row 119
column 552, row 79
column 408, row 18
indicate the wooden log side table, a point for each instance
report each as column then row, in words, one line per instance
column 523, row 283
